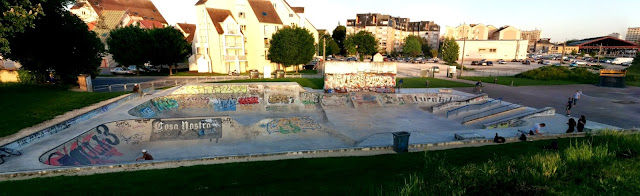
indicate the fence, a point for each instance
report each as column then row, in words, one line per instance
column 176, row 82
column 490, row 112
column 474, row 107
column 492, row 72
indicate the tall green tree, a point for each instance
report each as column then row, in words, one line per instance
column 130, row 46
column 412, row 46
column 332, row 47
column 593, row 54
column 339, row 35
column 574, row 52
column 450, row 50
column 58, row 41
column 434, row 53
column 426, row 48
column 169, row 47
column 292, row 46
column 16, row 16
column 362, row 43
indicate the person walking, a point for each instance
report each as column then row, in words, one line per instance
column 581, row 122
column 568, row 106
column 576, row 96
column 572, row 125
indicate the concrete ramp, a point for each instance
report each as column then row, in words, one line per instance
column 122, row 141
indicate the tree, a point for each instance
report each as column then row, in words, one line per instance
column 582, row 53
column 593, row 54
column 450, row 50
column 434, row 53
column 574, row 52
column 412, row 46
column 60, row 41
column 362, row 43
column 130, row 46
column 292, row 46
column 332, row 47
column 169, row 47
column 17, row 16
column 339, row 35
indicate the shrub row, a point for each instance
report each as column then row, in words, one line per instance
column 559, row 73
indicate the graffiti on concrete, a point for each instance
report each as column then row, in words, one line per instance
column 192, row 129
column 337, row 101
column 212, row 89
column 93, row 147
column 249, row 100
column 165, row 103
column 193, row 101
column 280, row 99
column 446, row 90
column 224, row 105
column 391, row 99
column 133, row 139
column 282, row 108
column 365, row 100
column 147, row 112
column 292, row 125
column 309, row 98
column 360, row 82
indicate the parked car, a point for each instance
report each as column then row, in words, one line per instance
column 435, row 69
column 351, row 59
column 515, row 60
column 557, row 64
column 500, row 61
column 475, row 62
column 489, row 63
column 573, row 64
column 134, row 68
column 121, row 71
column 541, row 62
column 527, row 62
column 626, row 64
column 435, row 60
column 386, row 59
column 546, row 63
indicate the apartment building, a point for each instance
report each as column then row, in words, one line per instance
column 533, row 36
column 234, row 35
column 482, row 32
column 633, row 35
column 391, row 31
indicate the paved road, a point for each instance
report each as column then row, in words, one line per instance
column 614, row 106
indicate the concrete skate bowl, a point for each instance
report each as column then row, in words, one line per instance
column 214, row 120
column 190, row 138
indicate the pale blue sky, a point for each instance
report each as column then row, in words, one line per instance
column 558, row 19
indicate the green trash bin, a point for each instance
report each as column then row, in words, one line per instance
column 401, row 141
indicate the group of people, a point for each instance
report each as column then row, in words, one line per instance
column 572, row 122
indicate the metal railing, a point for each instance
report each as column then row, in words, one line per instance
column 467, row 108
column 164, row 83
column 491, row 112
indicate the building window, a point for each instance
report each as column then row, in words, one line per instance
column 243, row 27
column 241, row 15
column 493, row 50
column 482, row 50
column 290, row 15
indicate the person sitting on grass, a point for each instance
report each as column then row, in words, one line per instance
column 499, row 139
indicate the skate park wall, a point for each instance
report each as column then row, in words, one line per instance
column 122, row 141
column 346, row 77
column 195, row 99
column 507, row 122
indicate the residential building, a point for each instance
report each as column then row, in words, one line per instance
column 189, row 32
column 234, row 35
column 633, row 35
column 543, row 45
column 482, row 32
column 391, row 31
column 533, row 36
column 493, row 49
column 607, row 46
column 102, row 16
column 559, row 48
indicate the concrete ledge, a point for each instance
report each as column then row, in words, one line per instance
column 28, row 135
column 493, row 115
column 446, row 105
column 548, row 111
column 345, row 152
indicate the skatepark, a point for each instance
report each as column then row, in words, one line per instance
column 204, row 120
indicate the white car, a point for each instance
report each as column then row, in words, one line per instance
column 120, row 70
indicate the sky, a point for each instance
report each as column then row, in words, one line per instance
column 559, row 20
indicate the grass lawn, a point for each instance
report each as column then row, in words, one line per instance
column 314, row 83
column 599, row 167
column 27, row 105
column 506, row 80
column 433, row 83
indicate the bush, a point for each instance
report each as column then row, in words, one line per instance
column 26, row 77
column 559, row 73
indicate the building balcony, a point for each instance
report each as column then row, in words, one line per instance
column 229, row 58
